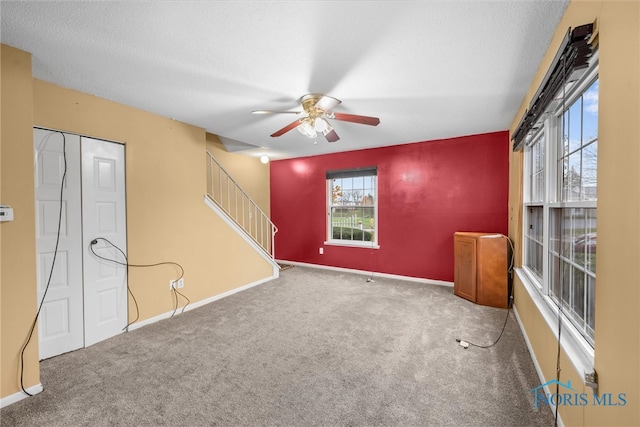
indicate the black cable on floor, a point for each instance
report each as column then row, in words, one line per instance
column 497, row 339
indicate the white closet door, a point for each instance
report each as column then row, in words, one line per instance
column 61, row 325
column 104, row 216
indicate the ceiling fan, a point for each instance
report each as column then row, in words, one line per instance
column 316, row 113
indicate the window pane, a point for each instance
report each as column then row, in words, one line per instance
column 536, row 163
column 554, row 289
column 533, row 237
column 590, row 239
column 574, row 125
column 539, row 154
column 562, row 283
column 565, row 134
column 352, row 213
column 565, row 284
column 590, row 113
column 572, row 261
column 358, row 183
column 561, row 231
column 536, row 187
column 591, row 305
column 534, row 257
column 336, row 195
column 578, row 157
column 370, row 188
column 577, row 247
column 574, row 177
column 563, row 171
column 577, row 294
column 347, row 183
column 590, row 171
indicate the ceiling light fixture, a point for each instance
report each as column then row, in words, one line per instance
column 310, row 127
column 264, row 159
column 307, row 129
column 320, row 125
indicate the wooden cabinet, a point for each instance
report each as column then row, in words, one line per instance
column 481, row 268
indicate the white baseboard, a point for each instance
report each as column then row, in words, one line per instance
column 197, row 304
column 369, row 273
column 534, row 359
column 17, row 397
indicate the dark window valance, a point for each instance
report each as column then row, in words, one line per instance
column 350, row 173
column 572, row 56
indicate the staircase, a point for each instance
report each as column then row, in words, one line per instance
column 230, row 201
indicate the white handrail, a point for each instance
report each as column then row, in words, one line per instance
column 225, row 192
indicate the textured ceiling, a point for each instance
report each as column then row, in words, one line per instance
column 427, row 69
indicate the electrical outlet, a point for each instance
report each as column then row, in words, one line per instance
column 176, row 284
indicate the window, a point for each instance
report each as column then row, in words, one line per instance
column 560, row 190
column 352, row 207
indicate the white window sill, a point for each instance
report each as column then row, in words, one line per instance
column 574, row 345
column 352, row 244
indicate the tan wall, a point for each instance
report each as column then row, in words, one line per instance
column 18, row 277
column 167, row 219
column 617, row 336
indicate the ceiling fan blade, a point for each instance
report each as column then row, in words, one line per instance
column 326, row 103
column 332, row 136
column 286, row 129
column 274, row 112
column 363, row 120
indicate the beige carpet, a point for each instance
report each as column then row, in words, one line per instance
column 313, row 348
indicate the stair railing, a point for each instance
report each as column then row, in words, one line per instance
column 225, row 192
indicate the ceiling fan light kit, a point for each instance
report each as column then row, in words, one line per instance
column 316, row 112
column 306, row 128
column 321, row 125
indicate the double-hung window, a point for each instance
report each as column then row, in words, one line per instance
column 352, row 201
column 560, row 193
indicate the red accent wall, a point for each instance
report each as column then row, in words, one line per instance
column 426, row 192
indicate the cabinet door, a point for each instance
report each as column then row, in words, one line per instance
column 492, row 272
column 464, row 277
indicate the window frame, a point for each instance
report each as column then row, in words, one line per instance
column 578, row 347
column 329, row 240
